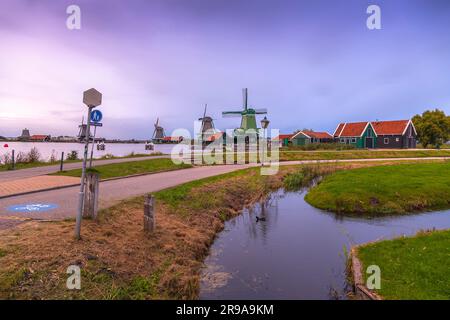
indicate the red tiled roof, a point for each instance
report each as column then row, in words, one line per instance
column 283, row 136
column 214, row 137
column 339, row 129
column 318, row 135
column 390, row 127
column 38, row 137
column 355, row 129
column 172, row 138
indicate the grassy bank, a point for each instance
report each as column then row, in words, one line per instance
column 411, row 268
column 118, row 261
column 129, row 168
column 395, row 189
column 292, row 154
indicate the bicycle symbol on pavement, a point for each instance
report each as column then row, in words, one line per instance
column 33, row 207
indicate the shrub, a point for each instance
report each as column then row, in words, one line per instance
column 53, row 157
column 72, row 155
column 324, row 146
column 21, row 157
column 33, row 155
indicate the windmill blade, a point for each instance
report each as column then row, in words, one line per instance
column 245, row 97
column 204, row 113
column 157, row 122
column 261, row 111
column 231, row 114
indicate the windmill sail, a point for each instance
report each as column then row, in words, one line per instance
column 248, row 118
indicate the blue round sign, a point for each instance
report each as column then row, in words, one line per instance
column 32, row 207
column 96, row 116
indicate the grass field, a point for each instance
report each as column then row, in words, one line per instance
column 27, row 165
column 411, row 268
column 292, row 154
column 395, row 189
column 129, row 168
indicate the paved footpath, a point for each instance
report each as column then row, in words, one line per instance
column 33, row 184
column 113, row 191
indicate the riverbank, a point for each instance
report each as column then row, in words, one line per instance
column 385, row 190
column 117, row 260
column 414, row 268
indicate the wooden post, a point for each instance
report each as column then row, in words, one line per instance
column 13, row 160
column 149, row 213
column 91, row 195
column 61, row 166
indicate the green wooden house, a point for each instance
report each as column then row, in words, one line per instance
column 305, row 137
column 283, row 139
column 360, row 134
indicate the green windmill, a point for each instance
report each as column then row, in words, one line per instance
column 248, row 120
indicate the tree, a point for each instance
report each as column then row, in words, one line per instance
column 433, row 128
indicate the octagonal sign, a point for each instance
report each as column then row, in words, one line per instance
column 92, row 98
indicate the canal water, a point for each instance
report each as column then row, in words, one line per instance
column 298, row 252
column 47, row 148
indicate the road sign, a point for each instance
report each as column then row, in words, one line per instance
column 32, row 207
column 92, row 98
column 96, row 116
column 96, row 124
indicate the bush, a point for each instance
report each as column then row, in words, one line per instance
column 72, row 155
column 53, row 158
column 21, row 157
column 33, row 155
column 324, row 146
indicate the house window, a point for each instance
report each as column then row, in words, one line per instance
column 386, row 140
column 353, row 140
column 342, row 140
column 397, row 139
column 369, row 133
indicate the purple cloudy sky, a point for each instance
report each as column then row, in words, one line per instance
column 311, row 63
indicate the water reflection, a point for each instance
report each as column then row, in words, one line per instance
column 298, row 252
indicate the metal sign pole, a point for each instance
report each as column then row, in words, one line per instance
column 92, row 149
column 83, row 175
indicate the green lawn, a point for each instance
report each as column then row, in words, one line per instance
column 412, row 268
column 129, row 168
column 18, row 166
column 395, row 189
column 293, row 154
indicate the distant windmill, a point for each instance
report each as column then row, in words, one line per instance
column 248, row 115
column 207, row 127
column 158, row 133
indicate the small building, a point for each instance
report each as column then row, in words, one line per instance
column 40, row 138
column 283, row 139
column 359, row 134
column 305, row 137
column 399, row 134
column 172, row 139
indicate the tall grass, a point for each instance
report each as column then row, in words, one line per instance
column 305, row 176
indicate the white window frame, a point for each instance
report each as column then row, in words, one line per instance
column 397, row 139
column 386, row 140
column 353, row 140
column 342, row 140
